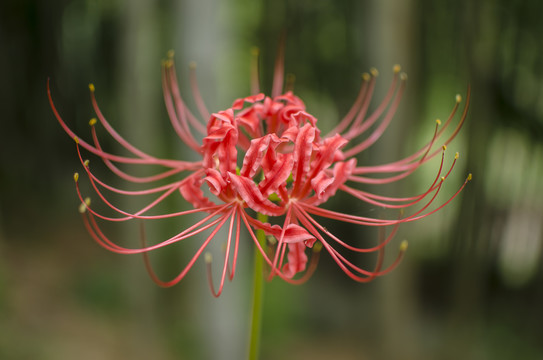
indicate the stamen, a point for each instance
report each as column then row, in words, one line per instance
column 92, row 122
column 403, row 246
column 76, row 177
column 255, row 76
column 374, row 72
column 396, row 68
column 438, row 122
column 91, row 87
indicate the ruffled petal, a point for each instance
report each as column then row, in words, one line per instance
column 248, row 191
column 190, row 190
column 297, row 260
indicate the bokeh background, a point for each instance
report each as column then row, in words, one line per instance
column 471, row 284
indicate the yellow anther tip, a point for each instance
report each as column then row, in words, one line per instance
column 403, row 246
column 403, row 76
column 396, row 68
column 91, row 87
column 443, row 178
column 365, row 76
column 208, row 258
column 76, row 139
column 86, row 163
column 458, row 98
column 470, row 177
column 92, row 121
column 170, row 54
column 192, row 65
column 444, row 147
column 76, row 177
column 255, row 51
column 438, row 121
column 374, row 72
column 456, row 155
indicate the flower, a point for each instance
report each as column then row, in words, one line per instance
column 265, row 158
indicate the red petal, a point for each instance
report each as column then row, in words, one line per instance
column 215, row 181
column 302, row 154
column 248, row 191
column 191, row 192
column 297, row 260
column 238, row 103
column 277, row 175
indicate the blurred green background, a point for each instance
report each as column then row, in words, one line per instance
column 471, row 284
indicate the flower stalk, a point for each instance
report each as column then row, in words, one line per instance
column 258, row 294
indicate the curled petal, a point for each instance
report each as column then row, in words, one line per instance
column 302, row 154
column 191, row 191
column 238, row 103
column 293, row 233
column 215, row 181
column 254, row 156
column 342, row 170
column 248, row 191
column 297, row 260
column 276, row 175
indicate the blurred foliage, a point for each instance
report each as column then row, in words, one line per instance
column 471, row 287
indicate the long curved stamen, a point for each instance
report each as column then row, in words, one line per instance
column 202, row 108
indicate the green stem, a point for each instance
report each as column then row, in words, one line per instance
column 258, row 293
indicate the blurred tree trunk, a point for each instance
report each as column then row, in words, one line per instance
column 204, row 34
column 391, row 32
column 138, row 81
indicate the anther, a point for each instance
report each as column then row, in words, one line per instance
column 84, row 205
column 396, row 68
column 317, row 247
column 403, row 76
column 444, row 147
column 208, row 258
column 458, row 98
column 470, row 177
column 438, row 121
column 76, row 139
column 271, row 239
column 170, row 54
column 91, row 87
column 443, row 178
column 456, row 155
column 255, row 51
column 86, row 163
column 365, row 76
column 92, row 121
column 403, row 246
column 192, row 65
column 374, row 72
column 76, row 177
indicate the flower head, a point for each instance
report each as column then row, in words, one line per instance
column 266, row 155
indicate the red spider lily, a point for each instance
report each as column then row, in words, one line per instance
column 266, row 155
